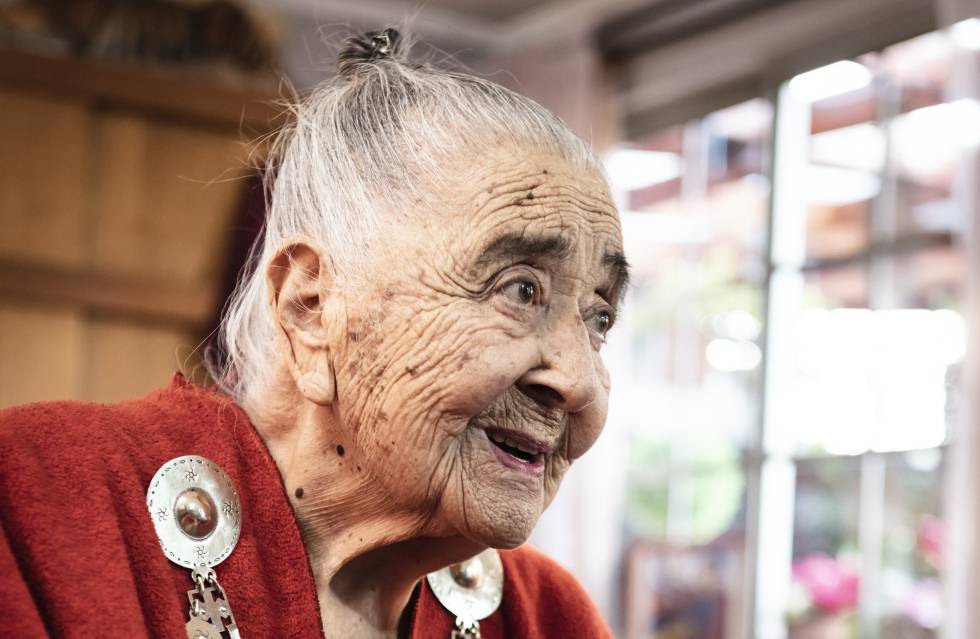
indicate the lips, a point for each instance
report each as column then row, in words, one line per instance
column 518, row 451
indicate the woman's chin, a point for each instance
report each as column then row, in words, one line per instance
column 495, row 537
column 502, row 528
column 509, row 543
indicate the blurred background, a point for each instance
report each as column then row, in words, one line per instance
column 790, row 453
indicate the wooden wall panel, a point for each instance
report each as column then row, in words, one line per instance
column 44, row 164
column 41, row 354
column 118, row 188
column 121, row 227
column 165, row 198
column 127, row 361
column 201, row 199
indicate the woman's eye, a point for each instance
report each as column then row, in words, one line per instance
column 521, row 292
column 602, row 322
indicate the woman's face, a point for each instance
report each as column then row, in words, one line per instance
column 471, row 375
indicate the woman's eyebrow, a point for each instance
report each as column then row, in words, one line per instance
column 619, row 267
column 522, row 246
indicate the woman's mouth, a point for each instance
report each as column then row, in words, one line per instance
column 517, row 452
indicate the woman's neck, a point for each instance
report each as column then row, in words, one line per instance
column 366, row 555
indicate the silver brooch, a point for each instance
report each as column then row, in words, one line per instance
column 471, row 590
column 197, row 517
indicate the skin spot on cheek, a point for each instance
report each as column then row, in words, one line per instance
column 340, row 450
column 352, row 336
column 299, row 493
column 382, row 416
column 463, row 361
column 411, row 371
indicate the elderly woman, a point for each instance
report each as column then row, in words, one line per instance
column 408, row 374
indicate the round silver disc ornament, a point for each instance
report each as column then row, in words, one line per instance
column 195, row 510
column 471, row 589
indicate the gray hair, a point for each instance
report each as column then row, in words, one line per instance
column 365, row 143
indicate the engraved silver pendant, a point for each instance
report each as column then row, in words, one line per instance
column 471, row 590
column 196, row 513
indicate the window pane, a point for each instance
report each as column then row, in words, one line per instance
column 695, row 226
column 840, row 172
column 927, row 133
column 841, row 178
column 826, row 580
column 877, row 148
column 822, row 404
column 931, row 278
column 868, row 292
column 911, row 594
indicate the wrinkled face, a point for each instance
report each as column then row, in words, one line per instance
column 471, row 376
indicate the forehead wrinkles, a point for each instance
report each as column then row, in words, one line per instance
column 541, row 203
column 542, row 191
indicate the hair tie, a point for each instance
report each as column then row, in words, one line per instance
column 382, row 43
column 368, row 49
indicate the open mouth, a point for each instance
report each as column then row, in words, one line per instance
column 517, row 451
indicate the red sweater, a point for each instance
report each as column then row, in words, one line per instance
column 79, row 556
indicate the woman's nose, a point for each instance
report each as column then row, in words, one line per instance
column 566, row 378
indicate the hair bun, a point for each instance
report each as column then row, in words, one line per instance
column 371, row 47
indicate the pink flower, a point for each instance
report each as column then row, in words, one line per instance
column 932, row 540
column 832, row 586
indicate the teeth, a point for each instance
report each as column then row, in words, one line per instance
column 510, row 442
column 521, row 448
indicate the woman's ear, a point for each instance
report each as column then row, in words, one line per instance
column 299, row 279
